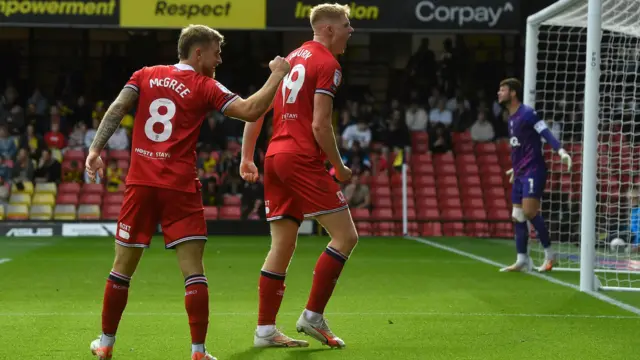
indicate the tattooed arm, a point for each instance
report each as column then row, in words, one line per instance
column 112, row 118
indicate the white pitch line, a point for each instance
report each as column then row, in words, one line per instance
column 595, row 294
column 425, row 314
column 6, row 260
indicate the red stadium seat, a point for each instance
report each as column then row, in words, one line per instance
column 426, row 191
column 463, row 148
column 420, row 169
column 67, row 199
column 446, row 169
column 470, row 181
column 494, row 193
column 446, row 158
column 448, row 192
column 397, row 192
column 421, row 158
column 466, row 170
column 90, row 199
column 421, row 148
column 472, row 203
column 382, row 202
column 211, row 213
column 397, row 214
column 426, row 202
column 230, row 213
column 232, row 200
column 419, row 136
column 447, row 180
column 466, row 159
column 396, row 180
column 114, row 198
column 380, row 180
column 477, row 229
column 452, row 214
column 424, row 181
column 471, row 191
column 383, row 191
column 504, row 147
column 123, row 164
column 499, row 214
column 119, row 154
column 464, row 137
column 77, row 155
column 69, row 188
column 382, row 214
column 360, row 214
column 431, row 229
column 364, row 228
column 429, row 214
column 450, row 203
column 453, row 229
column 487, row 159
column 492, row 180
column 475, row 214
column 493, row 169
column 92, row 188
column 486, row 148
column 111, row 212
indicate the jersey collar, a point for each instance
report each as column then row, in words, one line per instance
column 184, row 67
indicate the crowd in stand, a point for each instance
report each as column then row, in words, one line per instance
column 36, row 130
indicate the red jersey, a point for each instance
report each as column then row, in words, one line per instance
column 173, row 101
column 314, row 70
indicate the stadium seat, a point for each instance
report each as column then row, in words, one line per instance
column 17, row 212
column 452, row 214
column 491, row 180
column 446, row 169
column 450, row 203
column 421, row 148
column 465, row 170
column 426, row 202
column 446, row 158
column 88, row 212
column 77, row 155
column 419, row 136
column 472, row 203
column 211, row 213
column 360, row 214
column 429, row 214
column 67, row 198
column 447, row 181
column 28, row 188
column 448, row 192
column 119, row 154
column 463, row 148
column 111, row 211
column 40, row 212
column 230, row 213
column 113, row 198
column 486, row 148
column 20, row 199
column 421, row 169
column 124, row 165
column 48, row 188
column 499, row 214
column 397, row 214
column 396, row 180
column 232, row 200
column 69, row 188
column 381, row 191
column 471, row 190
column 470, row 181
column 397, row 191
column 431, row 229
column 492, row 169
column 380, row 180
column 2, row 212
column 483, row 159
column 92, row 189
column 421, row 158
column 494, row 193
column 64, row 212
column 477, row 229
column 461, row 137
column 382, row 202
column 91, row 199
column 497, row 204
column 364, row 228
column 466, row 159
column 424, row 181
column 43, row 199
column 453, row 229
column 425, row 191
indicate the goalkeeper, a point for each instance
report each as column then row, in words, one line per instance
column 528, row 173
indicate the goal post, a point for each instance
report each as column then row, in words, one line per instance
column 581, row 61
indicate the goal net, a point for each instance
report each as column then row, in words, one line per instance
column 557, row 59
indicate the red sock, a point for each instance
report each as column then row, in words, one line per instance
column 115, row 300
column 196, row 301
column 271, row 291
column 325, row 277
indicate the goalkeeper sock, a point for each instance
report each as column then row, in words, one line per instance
column 541, row 229
column 116, row 294
column 325, row 277
column 522, row 238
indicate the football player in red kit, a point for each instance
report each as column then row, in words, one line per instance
column 162, row 186
column 297, row 185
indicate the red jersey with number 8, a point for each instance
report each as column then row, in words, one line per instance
column 314, row 70
column 173, row 101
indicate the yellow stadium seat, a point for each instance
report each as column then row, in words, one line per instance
column 20, row 199
column 46, row 188
column 2, row 212
column 17, row 212
column 40, row 212
column 65, row 212
column 89, row 212
column 28, row 188
column 43, row 199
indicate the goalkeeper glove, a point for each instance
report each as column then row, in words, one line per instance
column 565, row 158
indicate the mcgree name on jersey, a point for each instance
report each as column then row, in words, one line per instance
column 172, row 84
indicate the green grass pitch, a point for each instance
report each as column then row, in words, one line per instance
column 396, row 299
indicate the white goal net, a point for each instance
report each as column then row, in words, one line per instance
column 560, row 63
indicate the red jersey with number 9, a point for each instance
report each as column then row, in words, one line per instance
column 314, row 70
column 173, row 101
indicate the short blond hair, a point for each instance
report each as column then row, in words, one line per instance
column 328, row 11
column 197, row 35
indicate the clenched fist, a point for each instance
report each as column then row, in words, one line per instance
column 279, row 65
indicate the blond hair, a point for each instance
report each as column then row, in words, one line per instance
column 197, row 35
column 328, row 11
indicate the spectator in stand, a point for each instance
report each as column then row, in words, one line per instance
column 416, row 117
column 5, row 170
column 461, row 118
column 457, row 101
column 398, row 137
column 39, row 102
column 119, row 140
column 210, row 192
column 440, row 115
column 206, row 162
column 76, row 139
column 113, row 176
column 212, row 135
column 10, row 96
column 15, row 121
column 252, row 206
column 49, row 169
column 357, row 159
column 55, row 139
column 32, row 117
column 32, row 142
column 228, row 167
column 345, row 120
column 482, row 130
column 54, row 117
column 81, row 112
column 435, row 97
column 98, row 112
column 8, row 146
column 73, row 173
column 422, row 64
column 359, row 132
column 23, row 168
column 4, row 191
column 440, row 142
column 357, row 195
column 91, row 133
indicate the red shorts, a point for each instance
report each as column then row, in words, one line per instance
column 298, row 187
column 180, row 214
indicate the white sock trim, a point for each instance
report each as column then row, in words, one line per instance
column 265, row 330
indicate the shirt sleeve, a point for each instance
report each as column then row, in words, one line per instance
column 217, row 96
column 135, row 81
column 541, row 128
column 329, row 79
